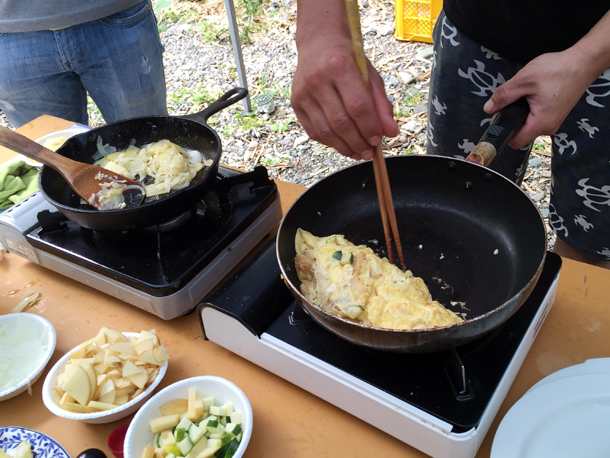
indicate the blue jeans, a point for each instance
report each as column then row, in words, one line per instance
column 118, row 60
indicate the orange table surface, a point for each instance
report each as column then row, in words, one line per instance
column 288, row 421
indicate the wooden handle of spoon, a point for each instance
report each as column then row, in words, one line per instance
column 29, row 148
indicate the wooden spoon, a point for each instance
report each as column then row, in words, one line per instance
column 88, row 181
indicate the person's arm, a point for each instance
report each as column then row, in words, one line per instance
column 553, row 83
column 329, row 96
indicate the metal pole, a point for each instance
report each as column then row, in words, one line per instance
column 239, row 61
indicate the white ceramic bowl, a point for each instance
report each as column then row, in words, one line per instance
column 139, row 436
column 65, row 134
column 106, row 416
column 43, row 327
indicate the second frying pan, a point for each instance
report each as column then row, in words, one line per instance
column 189, row 131
column 475, row 238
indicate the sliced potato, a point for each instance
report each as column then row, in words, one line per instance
column 109, row 370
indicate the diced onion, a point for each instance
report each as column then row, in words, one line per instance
column 30, row 299
column 104, row 150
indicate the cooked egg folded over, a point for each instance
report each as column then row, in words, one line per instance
column 355, row 283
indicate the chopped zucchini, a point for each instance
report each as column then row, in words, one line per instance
column 233, row 446
column 235, row 417
column 195, row 433
column 214, row 443
column 233, row 429
column 185, row 446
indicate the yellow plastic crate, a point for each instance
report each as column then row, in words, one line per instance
column 415, row 19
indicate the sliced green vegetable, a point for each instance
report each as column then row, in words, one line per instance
column 233, row 446
column 337, row 255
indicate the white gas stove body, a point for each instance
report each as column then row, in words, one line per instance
column 19, row 220
column 374, row 406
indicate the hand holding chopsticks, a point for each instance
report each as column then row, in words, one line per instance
column 382, row 181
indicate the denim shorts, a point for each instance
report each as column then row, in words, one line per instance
column 465, row 75
column 118, row 60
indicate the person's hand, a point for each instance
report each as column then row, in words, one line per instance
column 332, row 101
column 552, row 84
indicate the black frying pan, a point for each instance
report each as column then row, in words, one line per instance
column 190, row 131
column 475, row 238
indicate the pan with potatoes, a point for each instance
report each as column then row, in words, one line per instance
column 183, row 147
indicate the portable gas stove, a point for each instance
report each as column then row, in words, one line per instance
column 440, row 403
column 166, row 269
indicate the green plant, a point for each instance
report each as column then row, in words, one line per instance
column 282, row 126
column 94, row 113
column 209, row 32
column 540, row 147
column 274, row 161
column 161, row 5
column 251, row 8
column 413, row 99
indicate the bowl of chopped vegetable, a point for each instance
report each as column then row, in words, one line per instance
column 198, row 417
column 27, row 342
column 129, row 368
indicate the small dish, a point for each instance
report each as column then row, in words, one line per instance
column 42, row 445
column 225, row 391
column 54, row 140
column 563, row 418
column 37, row 326
column 106, row 416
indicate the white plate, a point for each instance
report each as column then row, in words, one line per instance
column 42, row 445
column 43, row 326
column 66, row 133
column 590, row 366
column 565, row 418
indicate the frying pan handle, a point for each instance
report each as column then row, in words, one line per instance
column 501, row 130
column 225, row 100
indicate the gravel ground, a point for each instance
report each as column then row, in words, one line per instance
column 199, row 66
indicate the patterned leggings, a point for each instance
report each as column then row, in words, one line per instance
column 465, row 75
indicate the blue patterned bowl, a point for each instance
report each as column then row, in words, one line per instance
column 42, row 445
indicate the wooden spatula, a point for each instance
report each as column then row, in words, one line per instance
column 87, row 180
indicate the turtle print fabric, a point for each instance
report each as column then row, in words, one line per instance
column 465, row 75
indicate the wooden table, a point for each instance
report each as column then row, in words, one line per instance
column 288, row 421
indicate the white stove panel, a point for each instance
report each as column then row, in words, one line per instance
column 378, row 408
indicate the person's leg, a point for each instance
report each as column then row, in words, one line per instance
column 464, row 76
column 34, row 80
column 121, row 63
column 580, row 187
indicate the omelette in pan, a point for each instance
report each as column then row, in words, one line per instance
column 353, row 282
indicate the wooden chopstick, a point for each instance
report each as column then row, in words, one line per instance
column 382, row 181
